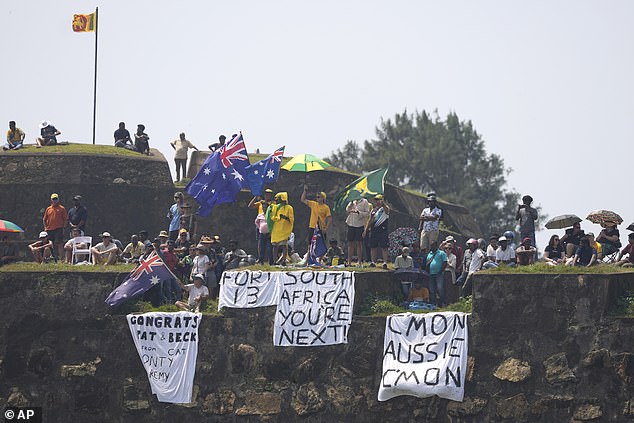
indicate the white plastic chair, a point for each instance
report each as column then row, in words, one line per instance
column 87, row 240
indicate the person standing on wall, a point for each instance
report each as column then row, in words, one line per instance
column 319, row 212
column 181, row 145
column 55, row 220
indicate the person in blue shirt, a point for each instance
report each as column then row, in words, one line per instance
column 174, row 216
column 48, row 134
column 436, row 263
column 77, row 215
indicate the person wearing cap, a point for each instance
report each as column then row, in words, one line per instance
column 188, row 220
column 198, row 293
column 134, row 250
column 201, row 264
column 122, row 137
column 357, row 215
column 477, row 260
column 77, row 215
column 452, row 260
column 527, row 215
column 377, row 229
column 174, row 215
column 141, row 140
column 262, row 232
column 105, row 252
column 181, row 146
column 457, row 252
column 429, row 223
column 42, row 249
column 283, row 217
column 466, row 263
column 319, row 213
column 48, row 134
column 493, row 245
column 15, row 137
column 526, row 252
column 171, row 290
column 55, row 220
column 504, row 254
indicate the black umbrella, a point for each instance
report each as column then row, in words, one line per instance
column 563, row 221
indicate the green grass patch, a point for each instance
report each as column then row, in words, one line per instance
column 374, row 305
column 210, row 308
column 62, row 267
column 275, row 268
column 541, row 268
column 73, row 148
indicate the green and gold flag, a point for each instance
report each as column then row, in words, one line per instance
column 366, row 186
column 84, row 23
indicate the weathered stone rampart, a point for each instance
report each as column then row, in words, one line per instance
column 542, row 348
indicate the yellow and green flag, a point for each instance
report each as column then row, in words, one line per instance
column 84, row 23
column 366, row 186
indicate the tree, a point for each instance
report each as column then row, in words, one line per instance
column 347, row 158
column 445, row 156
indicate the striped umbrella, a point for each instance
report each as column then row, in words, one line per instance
column 6, row 226
column 305, row 163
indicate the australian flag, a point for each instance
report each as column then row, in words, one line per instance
column 221, row 177
column 265, row 171
column 150, row 272
column 317, row 248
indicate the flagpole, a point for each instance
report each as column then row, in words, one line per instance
column 94, row 104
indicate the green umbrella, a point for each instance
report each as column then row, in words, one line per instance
column 305, row 163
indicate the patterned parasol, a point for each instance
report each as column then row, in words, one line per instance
column 400, row 237
column 6, row 226
column 601, row 217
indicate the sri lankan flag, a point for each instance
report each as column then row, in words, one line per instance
column 366, row 186
column 84, row 23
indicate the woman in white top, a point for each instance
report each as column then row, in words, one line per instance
column 201, row 262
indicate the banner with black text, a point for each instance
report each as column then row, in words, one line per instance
column 168, row 346
column 249, row 289
column 314, row 308
column 424, row 355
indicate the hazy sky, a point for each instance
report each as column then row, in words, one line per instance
column 547, row 84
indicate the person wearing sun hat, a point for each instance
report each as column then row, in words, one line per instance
column 377, row 228
column 55, row 220
column 48, row 134
column 105, row 252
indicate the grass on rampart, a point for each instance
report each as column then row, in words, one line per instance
column 543, row 268
column 73, row 148
column 62, row 267
column 384, row 306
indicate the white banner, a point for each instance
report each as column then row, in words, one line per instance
column 248, row 289
column 315, row 308
column 424, row 355
column 168, row 346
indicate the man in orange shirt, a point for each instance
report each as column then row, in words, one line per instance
column 319, row 212
column 55, row 220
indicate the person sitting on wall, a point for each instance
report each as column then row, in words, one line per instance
column 418, row 293
column 141, row 140
column 572, row 238
column 334, row 254
column 8, row 251
column 198, row 293
column 234, row 256
column 526, row 252
column 68, row 247
column 105, row 252
column 609, row 239
column 555, row 253
column 585, row 254
column 42, row 249
column 596, row 245
column 134, row 250
column 122, row 137
column 15, row 137
column 504, row 254
column 628, row 251
column 48, row 134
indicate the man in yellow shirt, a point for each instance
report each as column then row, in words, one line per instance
column 319, row 212
column 15, row 137
column 283, row 218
